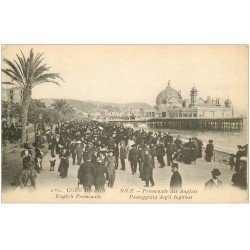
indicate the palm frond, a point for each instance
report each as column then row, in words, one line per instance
column 46, row 81
column 14, row 68
column 25, row 65
column 28, row 72
column 47, row 76
column 22, row 63
column 9, row 83
column 20, row 69
column 31, row 65
column 40, row 70
column 11, row 75
column 37, row 60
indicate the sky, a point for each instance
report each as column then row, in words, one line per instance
column 137, row 73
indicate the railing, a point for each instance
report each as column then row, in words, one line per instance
column 220, row 156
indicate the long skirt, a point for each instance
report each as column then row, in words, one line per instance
column 78, row 158
column 110, row 176
column 63, row 168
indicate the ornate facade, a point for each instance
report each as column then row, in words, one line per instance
column 170, row 104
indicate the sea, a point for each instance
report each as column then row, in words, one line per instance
column 226, row 141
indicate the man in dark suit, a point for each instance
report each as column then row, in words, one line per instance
column 148, row 169
column 141, row 159
column 160, row 152
column 170, row 149
column 73, row 151
column 123, row 155
column 133, row 158
column 214, row 183
column 176, row 180
column 85, row 174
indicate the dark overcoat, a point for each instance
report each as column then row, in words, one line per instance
column 99, row 175
column 176, row 181
column 85, row 174
column 148, row 167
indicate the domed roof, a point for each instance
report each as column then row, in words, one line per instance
column 228, row 101
column 166, row 93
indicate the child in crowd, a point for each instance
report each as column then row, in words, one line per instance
column 52, row 162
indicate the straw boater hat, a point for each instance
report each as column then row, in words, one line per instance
column 110, row 151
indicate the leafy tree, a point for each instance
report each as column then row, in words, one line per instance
column 64, row 109
column 15, row 110
column 5, row 109
column 27, row 73
column 36, row 108
column 12, row 110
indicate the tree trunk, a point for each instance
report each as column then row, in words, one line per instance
column 59, row 120
column 25, row 109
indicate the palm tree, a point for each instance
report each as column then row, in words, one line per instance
column 62, row 107
column 27, row 73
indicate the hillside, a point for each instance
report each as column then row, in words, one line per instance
column 86, row 106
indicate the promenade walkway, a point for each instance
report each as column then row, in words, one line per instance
column 192, row 176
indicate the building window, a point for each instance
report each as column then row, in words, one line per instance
column 190, row 115
column 153, row 114
column 164, row 114
column 185, row 115
column 194, row 115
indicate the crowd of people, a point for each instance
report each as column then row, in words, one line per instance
column 11, row 133
column 99, row 149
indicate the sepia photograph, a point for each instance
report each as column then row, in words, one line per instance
column 124, row 123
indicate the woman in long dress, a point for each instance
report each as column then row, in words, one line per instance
column 99, row 174
column 110, row 168
column 64, row 163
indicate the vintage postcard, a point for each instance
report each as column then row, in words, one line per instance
column 124, row 123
